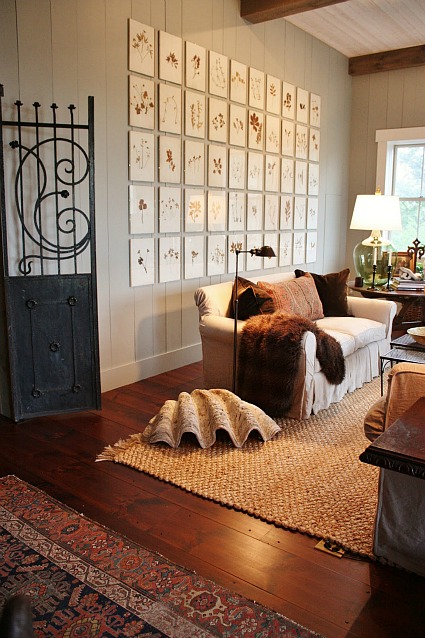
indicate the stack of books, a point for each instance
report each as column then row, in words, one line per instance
column 407, row 284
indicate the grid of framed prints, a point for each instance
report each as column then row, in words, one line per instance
column 221, row 156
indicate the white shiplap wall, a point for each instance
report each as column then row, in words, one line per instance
column 65, row 50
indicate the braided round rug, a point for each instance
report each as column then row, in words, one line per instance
column 307, row 478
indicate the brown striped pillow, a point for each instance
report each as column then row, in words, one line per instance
column 296, row 297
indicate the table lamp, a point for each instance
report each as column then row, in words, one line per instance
column 264, row 251
column 379, row 212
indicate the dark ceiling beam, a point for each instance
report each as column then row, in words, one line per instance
column 262, row 10
column 387, row 60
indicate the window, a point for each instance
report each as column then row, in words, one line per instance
column 401, row 169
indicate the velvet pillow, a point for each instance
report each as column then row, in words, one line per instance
column 252, row 300
column 332, row 290
column 295, row 297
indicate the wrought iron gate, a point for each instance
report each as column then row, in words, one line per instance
column 48, row 300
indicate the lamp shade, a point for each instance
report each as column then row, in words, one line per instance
column 380, row 212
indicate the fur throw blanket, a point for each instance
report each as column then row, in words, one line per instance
column 268, row 359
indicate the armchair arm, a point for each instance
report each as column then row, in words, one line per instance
column 380, row 310
column 406, row 384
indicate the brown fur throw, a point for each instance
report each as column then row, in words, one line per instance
column 268, row 359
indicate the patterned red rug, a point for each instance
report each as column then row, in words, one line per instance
column 85, row 580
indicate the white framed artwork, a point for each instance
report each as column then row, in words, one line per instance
column 314, row 145
column 254, row 213
column 196, row 66
column 273, row 94
column 285, row 249
column 217, row 165
column 236, row 211
column 299, row 213
column 142, row 261
column 237, row 125
column 170, row 109
column 255, row 171
column 288, row 137
column 142, row 156
column 301, row 141
column 237, row 168
column 169, row 209
column 272, row 173
column 300, row 177
column 238, row 81
column 271, row 212
column 169, row 258
column 298, row 251
column 315, row 107
column 272, row 134
column 141, row 48
column 194, row 208
column 287, row 176
column 255, row 130
column 234, row 243
column 194, row 163
column 170, row 57
column 141, row 102
column 254, row 240
column 217, row 120
column 311, row 248
column 271, row 239
column 313, row 179
column 217, row 211
column 286, row 212
column 194, row 256
column 141, row 204
column 302, row 106
column 216, row 255
column 288, row 100
column 312, row 212
column 170, row 159
column 218, row 74
column 256, row 88
column 195, row 114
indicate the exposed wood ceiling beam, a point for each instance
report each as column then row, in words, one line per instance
column 387, row 60
column 262, row 10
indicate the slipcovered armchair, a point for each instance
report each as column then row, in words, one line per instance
column 399, row 534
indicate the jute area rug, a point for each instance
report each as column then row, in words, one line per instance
column 308, row 478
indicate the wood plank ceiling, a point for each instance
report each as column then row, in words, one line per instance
column 376, row 35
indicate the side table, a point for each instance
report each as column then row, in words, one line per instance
column 398, row 355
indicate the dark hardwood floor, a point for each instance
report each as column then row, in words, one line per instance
column 278, row 568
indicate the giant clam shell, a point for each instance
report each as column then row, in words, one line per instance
column 203, row 412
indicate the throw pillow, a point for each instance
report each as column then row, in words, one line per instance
column 252, row 300
column 295, row 297
column 332, row 290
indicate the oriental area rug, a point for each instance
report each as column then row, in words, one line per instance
column 85, row 580
column 308, row 478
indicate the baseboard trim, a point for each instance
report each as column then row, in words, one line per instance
column 132, row 372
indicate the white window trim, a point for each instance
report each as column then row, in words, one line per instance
column 387, row 139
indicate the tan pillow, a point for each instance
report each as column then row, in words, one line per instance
column 296, row 297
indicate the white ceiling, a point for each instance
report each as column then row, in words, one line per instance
column 359, row 27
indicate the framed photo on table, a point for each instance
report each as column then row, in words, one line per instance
column 403, row 259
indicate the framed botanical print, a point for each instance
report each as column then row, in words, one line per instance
column 218, row 74
column 288, row 137
column 194, row 163
column 170, row 109
column 254, row 240
column 285, row 249
column 238, row 81
column 194, row 256
column 301, row 141
column 255, row 130
column 312, row 212
column 271, row 239
column 237, row 168
column 314, row 145
column 142, row 261
column 271, row 212
column 170, row 57
column 169, row 209
column 272, row 173
column 217, row 165
column 142, row 156
column 299, row 213
column 288, row 100
column 217, row 211
column 170, row 258
column 237, row 125
column 216, row 255
column 141, row 102
column 196, row 66
column 313, row 179
column 286, row 212
column 236, row 211
column 141, row 209
column 272, row 134
column 287, row 176
column 254, row 214
column 298, row 252
column 141, row 48
column 169, row 159
column 194, row 210
column 255, row 171
column 256, row 88
column 300, row 177
column 311, row 247
column 235, row 242
column 273, row 94
column 195, row 114
column 302, row 105
column 217, row 120
column 315, row 106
